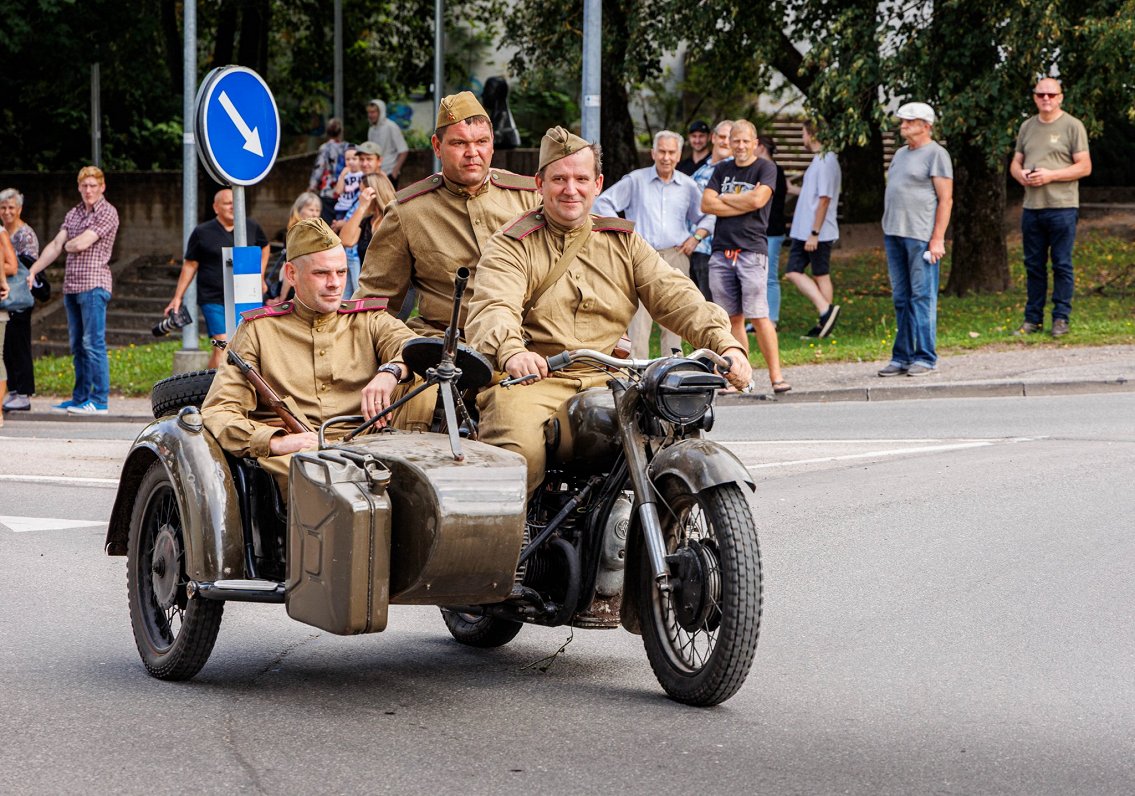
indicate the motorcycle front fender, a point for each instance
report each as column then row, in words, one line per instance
column 700, row 464
column 203, row 486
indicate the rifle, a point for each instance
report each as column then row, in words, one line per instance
column 292, row 423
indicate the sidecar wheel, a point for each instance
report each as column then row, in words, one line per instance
column 701, row 638
column 184, row 389
column 480, row 631
column 174, row 634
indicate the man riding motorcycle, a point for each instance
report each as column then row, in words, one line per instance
column 558, row 278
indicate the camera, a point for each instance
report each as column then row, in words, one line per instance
column 175, row 320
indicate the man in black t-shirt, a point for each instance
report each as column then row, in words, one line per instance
column 700, row 148
column 203, row 261
column 738, row 193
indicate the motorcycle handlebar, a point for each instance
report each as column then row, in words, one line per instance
column 561, row 361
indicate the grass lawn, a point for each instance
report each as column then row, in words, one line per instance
column 1103, row 313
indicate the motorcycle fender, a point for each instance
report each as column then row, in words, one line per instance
column 204, row 489
column 700, row 464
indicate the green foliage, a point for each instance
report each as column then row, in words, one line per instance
column 535, row 110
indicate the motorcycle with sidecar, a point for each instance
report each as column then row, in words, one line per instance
column 640, row 522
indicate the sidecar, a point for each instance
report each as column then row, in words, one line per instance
column 390, row 518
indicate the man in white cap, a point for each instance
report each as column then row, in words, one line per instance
column 916, row 212
column 389, row 138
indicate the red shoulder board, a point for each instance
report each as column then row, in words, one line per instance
column 515, row 182
column 361, row 305
column 272, row 311
column 431, row 183
column 602, row 224
column 521, row 227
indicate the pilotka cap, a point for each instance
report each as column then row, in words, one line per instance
column 310, row 236
column 557, row 144
column 457, row 108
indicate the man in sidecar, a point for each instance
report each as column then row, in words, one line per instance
column 328, row 356
column 558, row 278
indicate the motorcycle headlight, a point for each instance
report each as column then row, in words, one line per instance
column 680, row 390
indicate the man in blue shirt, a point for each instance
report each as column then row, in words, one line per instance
column 663, row 203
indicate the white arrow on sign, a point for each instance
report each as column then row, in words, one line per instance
column 251, row 137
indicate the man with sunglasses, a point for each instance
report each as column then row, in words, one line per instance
column 1050, row 159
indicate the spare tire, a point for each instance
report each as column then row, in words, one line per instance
column 184, row 389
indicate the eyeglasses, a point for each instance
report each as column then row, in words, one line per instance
column 1046, row 94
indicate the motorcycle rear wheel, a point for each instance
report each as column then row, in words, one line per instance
column 701, row 638
column 174, row 634
column 480, row 631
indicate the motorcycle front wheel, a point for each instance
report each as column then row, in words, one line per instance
column 174, row 634
column 702, row 636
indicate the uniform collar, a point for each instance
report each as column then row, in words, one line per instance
column 564, row 232
column 309, row 315
column 461, row 190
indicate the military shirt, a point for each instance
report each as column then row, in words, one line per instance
column 318, row 363
column 592, row 303
column 431, row 229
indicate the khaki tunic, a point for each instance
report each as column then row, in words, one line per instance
column 588, row 307
column 318, row 363
column 431, row 229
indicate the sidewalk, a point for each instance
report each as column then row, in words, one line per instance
column 1009, row 371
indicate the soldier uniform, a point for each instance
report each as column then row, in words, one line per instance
column 589, row 306
column 317, row 362
column 431, row 229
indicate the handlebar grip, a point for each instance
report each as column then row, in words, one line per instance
column 728, row 365
column 559, row 361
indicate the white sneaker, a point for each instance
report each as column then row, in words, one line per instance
column 16, row 402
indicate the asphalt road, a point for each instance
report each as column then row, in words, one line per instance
column 949, row 608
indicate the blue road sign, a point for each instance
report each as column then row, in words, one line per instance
column 243, row 283
column 238, row 126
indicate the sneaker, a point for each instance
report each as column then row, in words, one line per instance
column 89, row 408
column 1059, row 327
column 63, row 406
column 892, row 370
column 918, row 370
column 812, row 333
column 1028, row 327
column 749, row 329
column 828, row 319
column 17, row 403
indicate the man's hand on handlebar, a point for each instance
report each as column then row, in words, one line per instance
column 740, row 371
column 526, row 363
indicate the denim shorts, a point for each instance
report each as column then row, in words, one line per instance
column 214, row 318
column 739, row 283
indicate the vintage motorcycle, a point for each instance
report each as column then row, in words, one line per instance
column 640, row 521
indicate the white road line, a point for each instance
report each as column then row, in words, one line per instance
column 27, row 524
column 869, row 441
column 58, row 479
column 876, row 453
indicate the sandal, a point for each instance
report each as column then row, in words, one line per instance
column 781, row 386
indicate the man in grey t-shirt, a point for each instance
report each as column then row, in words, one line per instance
column 1050, row 159
column 916, row 212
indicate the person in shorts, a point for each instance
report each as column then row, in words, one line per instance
column 738, row 193
column 814, row 231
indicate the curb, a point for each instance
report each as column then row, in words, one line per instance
column 982, row 389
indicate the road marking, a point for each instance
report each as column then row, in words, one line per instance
column 58, row 479
column 877, row 453
column 26, row 524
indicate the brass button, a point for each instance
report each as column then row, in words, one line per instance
column 321, row 353
column 538, row 217
column 324, row 388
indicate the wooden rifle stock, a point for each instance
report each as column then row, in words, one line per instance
column 265, row 390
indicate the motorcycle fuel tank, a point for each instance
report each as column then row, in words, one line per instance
column 584, row 433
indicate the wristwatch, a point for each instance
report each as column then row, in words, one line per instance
column 396, row 371
column 698, row 238
column 816, row 232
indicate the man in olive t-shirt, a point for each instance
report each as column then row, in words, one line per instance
column 1050, row 159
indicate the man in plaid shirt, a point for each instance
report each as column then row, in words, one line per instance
column 87, row 236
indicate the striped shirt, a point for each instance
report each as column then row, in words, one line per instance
column 90, row 268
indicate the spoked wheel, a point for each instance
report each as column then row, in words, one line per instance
column 480, row 631
column 701, row 638
column 174, row 634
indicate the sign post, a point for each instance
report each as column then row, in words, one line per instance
column 238, row 133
